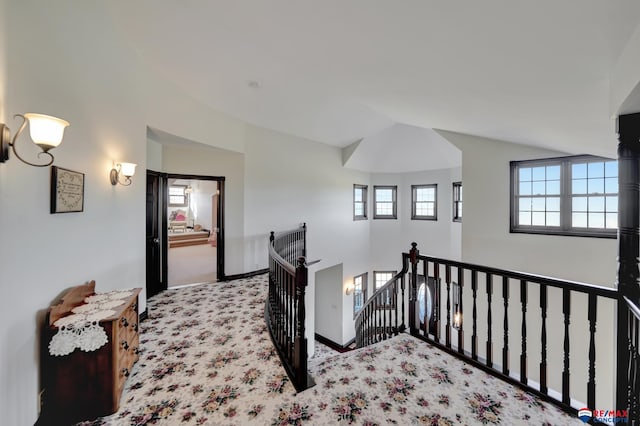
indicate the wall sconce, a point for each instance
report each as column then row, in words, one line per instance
column 46, row 132
column 122, row 169
column 457, row 320
column 349, row 290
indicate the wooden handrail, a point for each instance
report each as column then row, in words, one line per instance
column 488, row 292
column 285, row 310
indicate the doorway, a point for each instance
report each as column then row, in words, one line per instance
column 185, row 230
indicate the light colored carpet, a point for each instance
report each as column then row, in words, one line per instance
column 207, row 359
column 191, row 264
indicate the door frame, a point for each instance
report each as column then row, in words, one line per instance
column 165, row 221
column 157, row 214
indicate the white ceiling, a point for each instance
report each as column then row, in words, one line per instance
column 335, row 71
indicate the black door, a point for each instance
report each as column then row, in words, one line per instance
column 155, row 278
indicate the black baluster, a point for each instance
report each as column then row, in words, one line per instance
column 566, row 310
column 543, row 339
column 591, row 385
column 460, row 314
column 447, row 272
column 474, row 335
column 505, row 347
column 413, row 288
column 394, row 286
column 425, row 320
column 435, row 307
column 489, row 319
column 523, row 353
column 384, row 315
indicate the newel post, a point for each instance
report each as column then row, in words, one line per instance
column 628, row 277
column 304, row 239
column 300, row 342
column 413, row 289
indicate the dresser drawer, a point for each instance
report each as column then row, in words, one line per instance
column 84, row 385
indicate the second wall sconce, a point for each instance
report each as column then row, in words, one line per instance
column 122, row 169
column 46, row 132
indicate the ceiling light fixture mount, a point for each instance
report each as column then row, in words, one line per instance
column 46, row 132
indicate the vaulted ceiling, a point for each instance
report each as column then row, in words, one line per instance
column 335, row 71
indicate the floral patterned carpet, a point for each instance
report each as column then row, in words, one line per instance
column 207, row 359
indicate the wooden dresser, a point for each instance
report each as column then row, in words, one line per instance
column 86, row 385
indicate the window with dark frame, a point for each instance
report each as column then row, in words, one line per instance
column 359, row 202
column 565, row 196
column 424, row 202
column 457, row 201
column 359, row 292
column 384, row 201
column 178, row 196
column 380, row 278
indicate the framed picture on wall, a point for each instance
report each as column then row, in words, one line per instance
column 67, row 190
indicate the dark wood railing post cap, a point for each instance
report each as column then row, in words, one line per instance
column 301, row 261
column 272, row 236
column 414, row 252
column 629, row 127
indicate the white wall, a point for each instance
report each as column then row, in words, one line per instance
column 109, row 105
column 390, row 238
column 154, row 156
column 216, row 162
column 328, row 303
column 486, row 240
column 289, row 181
column 201, row 202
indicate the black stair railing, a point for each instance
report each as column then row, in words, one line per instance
column 489, row 317
column 383, row 315
column 285, row 308
column 518, row 326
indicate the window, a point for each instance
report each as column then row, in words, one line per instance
column 359, row 202
column 424, row 204
column 565, row 196
column 178, row 196
column 359, row 292
column 457, row 201
column 380, row 278
column 384, row 199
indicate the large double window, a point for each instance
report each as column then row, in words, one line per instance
column 565, row 196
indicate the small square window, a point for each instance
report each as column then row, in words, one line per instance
column 384, row 200
column 178, row 196
column 424, row 202
column 359, row 202
column 359, row 292
column 380, row 278
column 457, row 201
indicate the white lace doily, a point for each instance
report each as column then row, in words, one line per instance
column 81, row 329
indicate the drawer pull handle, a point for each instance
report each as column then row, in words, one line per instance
column 125, row 372
column 136, row 350
column 125, row 345
column 134, row 307
column 135, row 327
column 124, row 322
